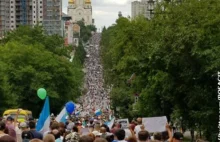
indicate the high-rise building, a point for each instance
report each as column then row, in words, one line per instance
column 80, row 10
column 52, row 17
column 31, row 12
column 7, row 16
column 142, row 8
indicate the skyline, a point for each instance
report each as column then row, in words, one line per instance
column 105, row 12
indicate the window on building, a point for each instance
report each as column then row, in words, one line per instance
column 12, row 16
column 34, row 16
column 40, row 6
column 11, row 6
column 12, row 21
column 41, row 17
column 34, row 21
column 11, row 11
column 11, row 1
column 40, row 2
column 34, row 11
column 12, row 26
column 40, row 11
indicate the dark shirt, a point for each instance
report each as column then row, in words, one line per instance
column 36, row 134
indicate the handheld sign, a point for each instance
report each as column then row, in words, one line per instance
column 155, row 124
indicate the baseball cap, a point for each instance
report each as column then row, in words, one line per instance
column 23, row 125
column 178, row 136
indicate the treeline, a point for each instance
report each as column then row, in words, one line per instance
column 170, row 61
column 30, row 60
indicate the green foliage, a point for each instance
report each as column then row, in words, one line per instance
column 31, row 60
column 175, row 57
column 85, row 31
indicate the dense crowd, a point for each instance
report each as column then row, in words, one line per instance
column 83, row 130
column 96, row 96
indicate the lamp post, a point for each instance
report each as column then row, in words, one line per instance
column 151, row 7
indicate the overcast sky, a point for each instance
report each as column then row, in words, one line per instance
column 105, row 12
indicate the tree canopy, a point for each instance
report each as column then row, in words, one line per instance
column 175, row 58
column 30, row 60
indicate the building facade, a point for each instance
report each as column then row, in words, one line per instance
column 52, row 17
column 141, row 8
column 47, row 13
column 80, row 10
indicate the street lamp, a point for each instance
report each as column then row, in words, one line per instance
column 151, row 7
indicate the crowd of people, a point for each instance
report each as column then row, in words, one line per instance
column 96, row 96
column 83, row 130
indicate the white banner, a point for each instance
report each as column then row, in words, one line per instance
column 124, row 123
column 155, row 124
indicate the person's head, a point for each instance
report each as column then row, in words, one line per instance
column 2, row 126
column 86, row 138
column 49, row 138
column 143, row 135
column 56, row 133
column 54, row 125
column 109, row 138
column 7, row 138
column 92, row 136
column 23, row 125
column 35, row 140
column 106, row 127
column 102, row 130
column 120, row 134
column 177, row 137
column 132, row 139
column 165, row 136
column 9, row 120
column 32, row 125
column 75, row 129
column 139, row 121
column 157, row 136
column 100, row 140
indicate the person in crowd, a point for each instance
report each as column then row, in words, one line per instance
column 103, row 132
column 35, row 140
column 25, row 133
column 92, row 136
column 177, row 137
column 49, row 138
column 73, row 136
column 57, row 136
column 132, row 139
column 137, row 128
column 62, row 129
column 165, row 136
column 2, row 129
column 143, row 136
column 86, row 139
column 119, row 135
column 109, row 137
column 157, row 136
column 34, row 133
column 11, row 126
column 7, row 138
column 115, row 127
column 100, row 140
column 106, row 127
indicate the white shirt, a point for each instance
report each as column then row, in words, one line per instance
column 137, row 129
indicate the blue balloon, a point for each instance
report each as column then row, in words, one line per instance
column 70, row 107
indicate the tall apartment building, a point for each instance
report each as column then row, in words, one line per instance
column 7, row 15
column 31, row 12
column 52, row 17
column 141, row 8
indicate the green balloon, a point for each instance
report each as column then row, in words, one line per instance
column 42, row 93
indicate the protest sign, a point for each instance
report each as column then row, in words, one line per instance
column 124, row 123
column 155, row 124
